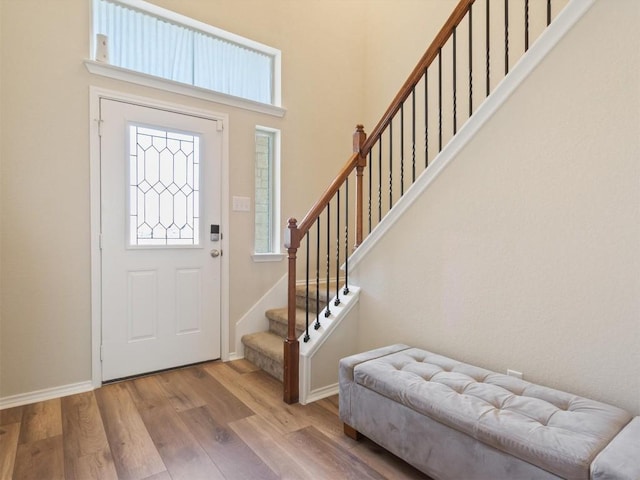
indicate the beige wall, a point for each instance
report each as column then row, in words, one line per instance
column 524, row 252
column 395, row 43
column 1, row 222
column 44, row 105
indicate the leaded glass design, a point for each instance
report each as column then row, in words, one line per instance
column 164, row 187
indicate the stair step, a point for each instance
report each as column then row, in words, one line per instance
column 301, row 295
column 278, row 323
column 265, row 350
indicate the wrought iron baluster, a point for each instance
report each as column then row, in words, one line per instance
column 413, row 135
column 488, row 48
column 426, row 118
column 327, row 311
column 439, row 99
column 306, row 323
column 455, row 93
column 317, row 268
column 470, row 60
column 402, row 149
column 379, row 178
column 346, row 238
column 548, row 12
column 390, row 164
column 370, row 191
column 337, row 300
column 526, row 25
column 506, row 36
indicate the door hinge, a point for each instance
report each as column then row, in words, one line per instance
column 219, row 125
column 99, row 122
column 100, row 241
column 101, row 353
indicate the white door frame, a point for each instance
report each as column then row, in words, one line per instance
column 95, row 94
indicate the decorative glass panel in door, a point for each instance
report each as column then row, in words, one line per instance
column 164, row 187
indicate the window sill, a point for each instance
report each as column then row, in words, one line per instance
column 268, row 257
column 131, row 76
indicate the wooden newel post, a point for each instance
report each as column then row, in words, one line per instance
column 291, row 346
column 359, row 138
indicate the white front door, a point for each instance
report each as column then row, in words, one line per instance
column 160, row 195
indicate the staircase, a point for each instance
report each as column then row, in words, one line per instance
column 264, row 349
column 449, row 89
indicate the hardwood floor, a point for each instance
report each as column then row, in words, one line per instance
column 210, row 421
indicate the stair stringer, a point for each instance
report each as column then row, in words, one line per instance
column 552, row 35
column 318, row 376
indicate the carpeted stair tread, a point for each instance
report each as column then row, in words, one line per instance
column 301, row 290
column 301, row 296
column 265, row 350
column 266, row 343
column 280, row 315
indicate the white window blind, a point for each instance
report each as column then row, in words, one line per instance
column 149, row 43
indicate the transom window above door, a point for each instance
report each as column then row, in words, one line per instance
column 137, row 36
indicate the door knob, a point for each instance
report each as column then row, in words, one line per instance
column 215, row 253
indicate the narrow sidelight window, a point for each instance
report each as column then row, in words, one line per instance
column 267, row 191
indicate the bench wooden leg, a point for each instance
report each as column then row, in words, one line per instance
column 351, row 432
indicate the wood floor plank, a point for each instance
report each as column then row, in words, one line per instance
column 243, row 366
column 385, row 462
column 179, row 391
column 134, row 454
column 40, row 459
column 266, row 442
column 8, row 448
column 233, row 457
column 203, row 389
column 330, row 403
column 325, row 421
column 260, row 394
column 147, row 394
column 180, row 451
column 41, row 420
column 86, row 449
column 328, row 459
column 11, row 415
column 159, row 476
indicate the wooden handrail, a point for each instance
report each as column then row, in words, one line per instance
column 418, row 72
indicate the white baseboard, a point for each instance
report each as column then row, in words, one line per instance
column 45, row 394
column 321, row 393
column 235, row 356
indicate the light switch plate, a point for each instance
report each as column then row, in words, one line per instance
column 241, row 204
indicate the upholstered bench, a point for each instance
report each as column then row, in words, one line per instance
column 455, row 421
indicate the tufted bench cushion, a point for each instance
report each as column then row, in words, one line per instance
column 553, row 430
